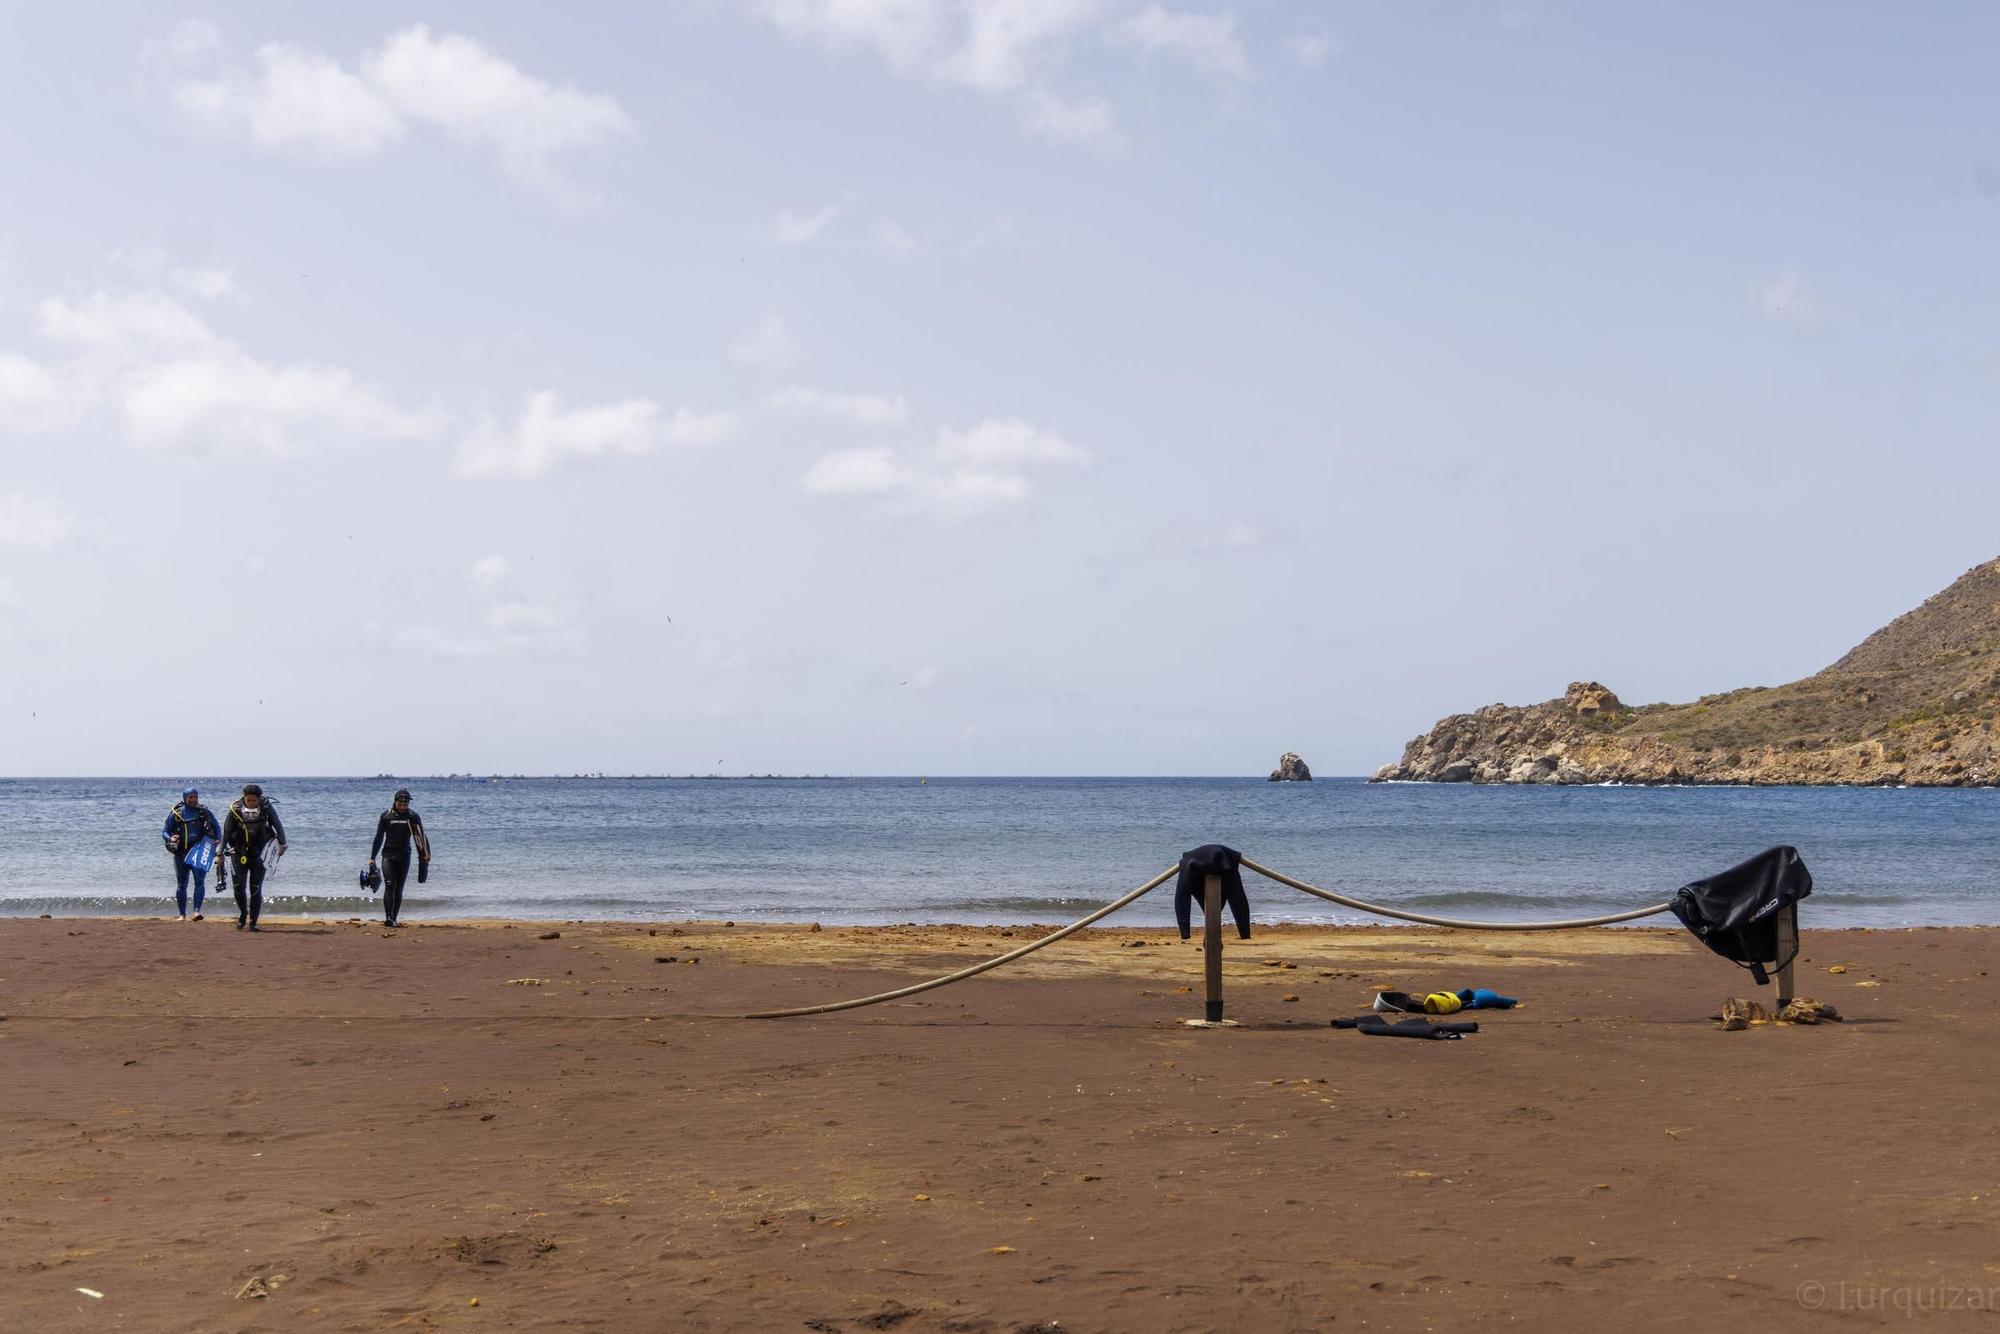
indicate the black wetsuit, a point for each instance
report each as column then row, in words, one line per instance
column 395, row 833
column 245, row 833
column 1197, row 864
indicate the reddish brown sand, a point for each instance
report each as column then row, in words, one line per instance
column 378, row 1131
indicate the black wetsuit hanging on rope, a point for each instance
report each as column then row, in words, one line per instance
column 396, row 833
column 251, row 825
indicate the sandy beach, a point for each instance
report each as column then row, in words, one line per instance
column 464, row 1126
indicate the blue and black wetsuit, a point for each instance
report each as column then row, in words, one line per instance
column 186, row 826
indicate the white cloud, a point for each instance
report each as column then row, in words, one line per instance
column 1206, row 41
column 1785, row 298
column 1311, row 49
column 170, row 380
column 515, row 613
column 906, row 34
column 225, row 396
column 790, row 228
column 38, row 523
column 34, row 397
column 852, row 409
column 999, row 48
column 859, row 472
column 769, row 344
column 484, row 101
column 1006, row 44
column 547, row 434
column 10, row 596
column 1007, row 444
column 960, row 474
column 128, row 322
column 294, row 99
column 302, row 101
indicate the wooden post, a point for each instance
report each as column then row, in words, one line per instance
column 1788, row 951
column 1211, row 946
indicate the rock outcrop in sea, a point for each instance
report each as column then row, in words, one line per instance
column 1917, row 703
column 1291, row 769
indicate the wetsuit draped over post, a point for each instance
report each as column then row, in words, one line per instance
column 395, row 834
column 245, row 832
column 186, row 826
column 1197, row 864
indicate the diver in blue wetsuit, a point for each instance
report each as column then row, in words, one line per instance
column 188, row 823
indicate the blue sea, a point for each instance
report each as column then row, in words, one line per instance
column 1017, row 850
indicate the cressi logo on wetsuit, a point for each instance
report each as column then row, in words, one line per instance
column 395, row 833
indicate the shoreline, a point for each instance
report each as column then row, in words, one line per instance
column 1284, row 928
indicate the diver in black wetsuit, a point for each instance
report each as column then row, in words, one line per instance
column 396, row 832
column 252, row 823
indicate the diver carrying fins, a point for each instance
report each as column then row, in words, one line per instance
column 253, row 838
column 397, row 834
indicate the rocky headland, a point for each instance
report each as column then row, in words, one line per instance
column 1914, row 704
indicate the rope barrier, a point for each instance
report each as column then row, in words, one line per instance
column 977, row 968
column 1459, row 923
column 1134, row 896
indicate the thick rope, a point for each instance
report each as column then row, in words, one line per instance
column 1380, row 911
column 977, row 968
column 1161, row 879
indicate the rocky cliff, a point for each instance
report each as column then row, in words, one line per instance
column 1915, row 703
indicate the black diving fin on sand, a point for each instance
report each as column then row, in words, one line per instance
column 1376, row 1027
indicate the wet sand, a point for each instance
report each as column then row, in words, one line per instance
column 329, row 1126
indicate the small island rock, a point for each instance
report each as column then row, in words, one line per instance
column 1291, row 769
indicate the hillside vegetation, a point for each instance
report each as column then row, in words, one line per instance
column 1914, row 703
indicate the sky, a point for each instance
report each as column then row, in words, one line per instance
column 967, row 386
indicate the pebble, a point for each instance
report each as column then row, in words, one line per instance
column 550, row 935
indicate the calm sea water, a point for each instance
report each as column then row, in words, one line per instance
column 1018, row 850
